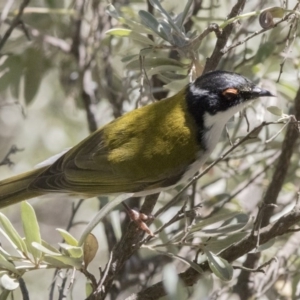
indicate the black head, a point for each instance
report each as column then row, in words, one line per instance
column 221, row 90
column 216, row 96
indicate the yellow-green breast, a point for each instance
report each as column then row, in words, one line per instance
column 156, row 141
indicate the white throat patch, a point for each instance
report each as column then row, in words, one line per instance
column 216, row 123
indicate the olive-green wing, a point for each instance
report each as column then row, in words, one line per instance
column 87, row 169
column 148, row 148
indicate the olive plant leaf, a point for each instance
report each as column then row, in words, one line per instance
column 219, row 266
column 69, row 239
column 11, row 234
column 31, row 229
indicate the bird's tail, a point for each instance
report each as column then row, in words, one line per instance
column 15, row 189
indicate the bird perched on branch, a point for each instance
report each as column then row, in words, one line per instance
column 148, row 150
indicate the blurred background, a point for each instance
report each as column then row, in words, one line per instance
column 69, row 67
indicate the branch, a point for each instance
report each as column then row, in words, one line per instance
column 80, row 52
column 213, row 61
column 275, row 271
column 128, row 244
column 23, row 289
column 6, row 160
column 258, row 32
column 249, row 243
column 15, row 22
column 283, row 163
column 252, row 134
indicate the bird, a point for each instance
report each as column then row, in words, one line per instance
column 145, row 151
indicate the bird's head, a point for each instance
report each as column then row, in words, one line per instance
column 215, row 97
column 222, row 93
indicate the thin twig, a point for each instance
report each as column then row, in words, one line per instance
column 75, row 209
column 104, row 276
column 283, row 162
column 213, row 61
column 248, row 183
column 252, row 134
column 236, row 250
column 225, row 50
column 15, row 22
column 6, row 160
column 23, row 289
column 258, row 269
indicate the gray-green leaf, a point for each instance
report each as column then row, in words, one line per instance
column 12, row 234
column 31, row 229
column 219, row 266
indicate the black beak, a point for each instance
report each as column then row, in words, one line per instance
column 259, row 92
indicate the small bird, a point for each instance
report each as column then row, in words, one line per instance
column 145, row 151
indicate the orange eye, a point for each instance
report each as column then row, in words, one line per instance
column 230, row 93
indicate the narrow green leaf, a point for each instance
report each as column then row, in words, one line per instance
column 171, row 78
column 219, row 266
column 223, row 230
column 69, row 239
column 151, row 22
column 8, row 265
column 154, row 62
column 167, row 16
column 236, row 223
column 216, row 245
column 9, row 283
column 54, row 263
column 167, row 30
column 119, row 32
column 31, row 229
column 164, row 68
column 185, row 12
column 45, row 250
column 111, row 11
column 5, row 254
column 12, row 234
column 65, row 261
column 123, row 32
column 141, row 39
column 74, row 251
column 128, row 58
column 186, row 261
column 137, row 27
column 206, row 222
column 49, row 247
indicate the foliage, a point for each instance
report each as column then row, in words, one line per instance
column 34, row 253
column 67, row 64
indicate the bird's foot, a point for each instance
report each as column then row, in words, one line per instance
column 139, row 219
